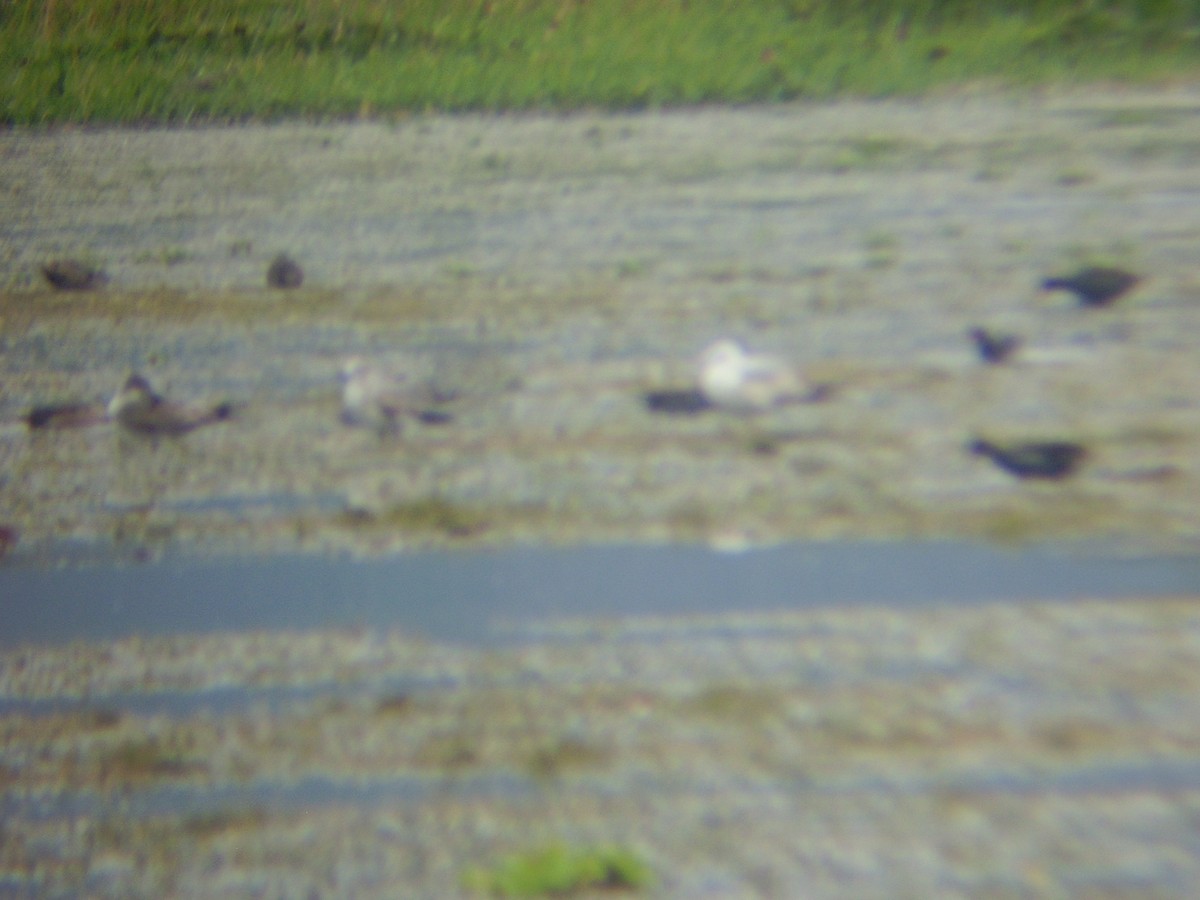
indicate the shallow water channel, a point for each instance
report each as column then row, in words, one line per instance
column 487, row 598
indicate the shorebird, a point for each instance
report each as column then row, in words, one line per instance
column 1045, row 459
column 65, row 415
column 138, row 408
column 731, row 378
column 284, row 273
column 1095, row 285
column 72, row 275
column 380, row 398
column 993, row 348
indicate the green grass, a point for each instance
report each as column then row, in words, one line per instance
column 558, row 871
column 182, row 60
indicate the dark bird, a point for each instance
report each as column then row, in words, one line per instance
column 284, row 273
column 65, row 415
column 1049, row 459
column 138, row 408
column 1094, row 286
column 72, row 275
column 677, row 402
column 994, row 348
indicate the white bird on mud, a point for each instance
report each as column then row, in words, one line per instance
column 138, row 408
column 731, row 378
column 380, row 398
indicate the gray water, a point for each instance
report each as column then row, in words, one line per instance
column 484, row 597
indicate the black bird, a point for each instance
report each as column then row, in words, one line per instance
column 284, row 273
column 1049, row 459
column 72, row 275
column 994, row 348
column 1094, row 286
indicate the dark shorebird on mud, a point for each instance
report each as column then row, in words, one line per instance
column 137, row 408
column 284, row 273
column 1094, row 286
column 1034, row 459
column 72, row 275
column 993, row 347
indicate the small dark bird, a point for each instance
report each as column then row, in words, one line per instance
column 284, row 273
column 677, row 402
column 72, row 275
column 994, row 348
column 1094, row 286
column 138, row 408
column 1049, row 459
column 65, row 415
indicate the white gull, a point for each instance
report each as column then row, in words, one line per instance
column 380, row 397
column 731, row 378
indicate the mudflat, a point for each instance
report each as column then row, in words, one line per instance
column 548, row 271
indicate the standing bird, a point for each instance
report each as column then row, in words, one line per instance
column 139, row 409
column 380, row 398
column 993, row 348
column 284, row 273
column 731, row 378
column 1094, row 286
column 1048, row 459
column 72, row 275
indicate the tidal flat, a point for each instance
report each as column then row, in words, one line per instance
column 551, row 269
column 548, row 271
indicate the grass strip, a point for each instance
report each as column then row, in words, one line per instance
column 121, row 61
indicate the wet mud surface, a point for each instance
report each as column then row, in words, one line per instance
column 1009, row 750
column 549, row 271
column 552, row 270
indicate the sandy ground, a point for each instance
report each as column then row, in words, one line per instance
column 551, row 269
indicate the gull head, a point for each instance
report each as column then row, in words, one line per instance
column 722, row 370
column 724, row 355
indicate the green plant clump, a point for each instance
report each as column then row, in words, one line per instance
column 181, row 61
column 558, row 871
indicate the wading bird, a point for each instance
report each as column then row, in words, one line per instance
column 1094, row 286
column 381, row 398
column 992, row 347
column 137, row 408
column 72, row 275
column 1036, row 459
column 284, row 273
column 730, row 378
